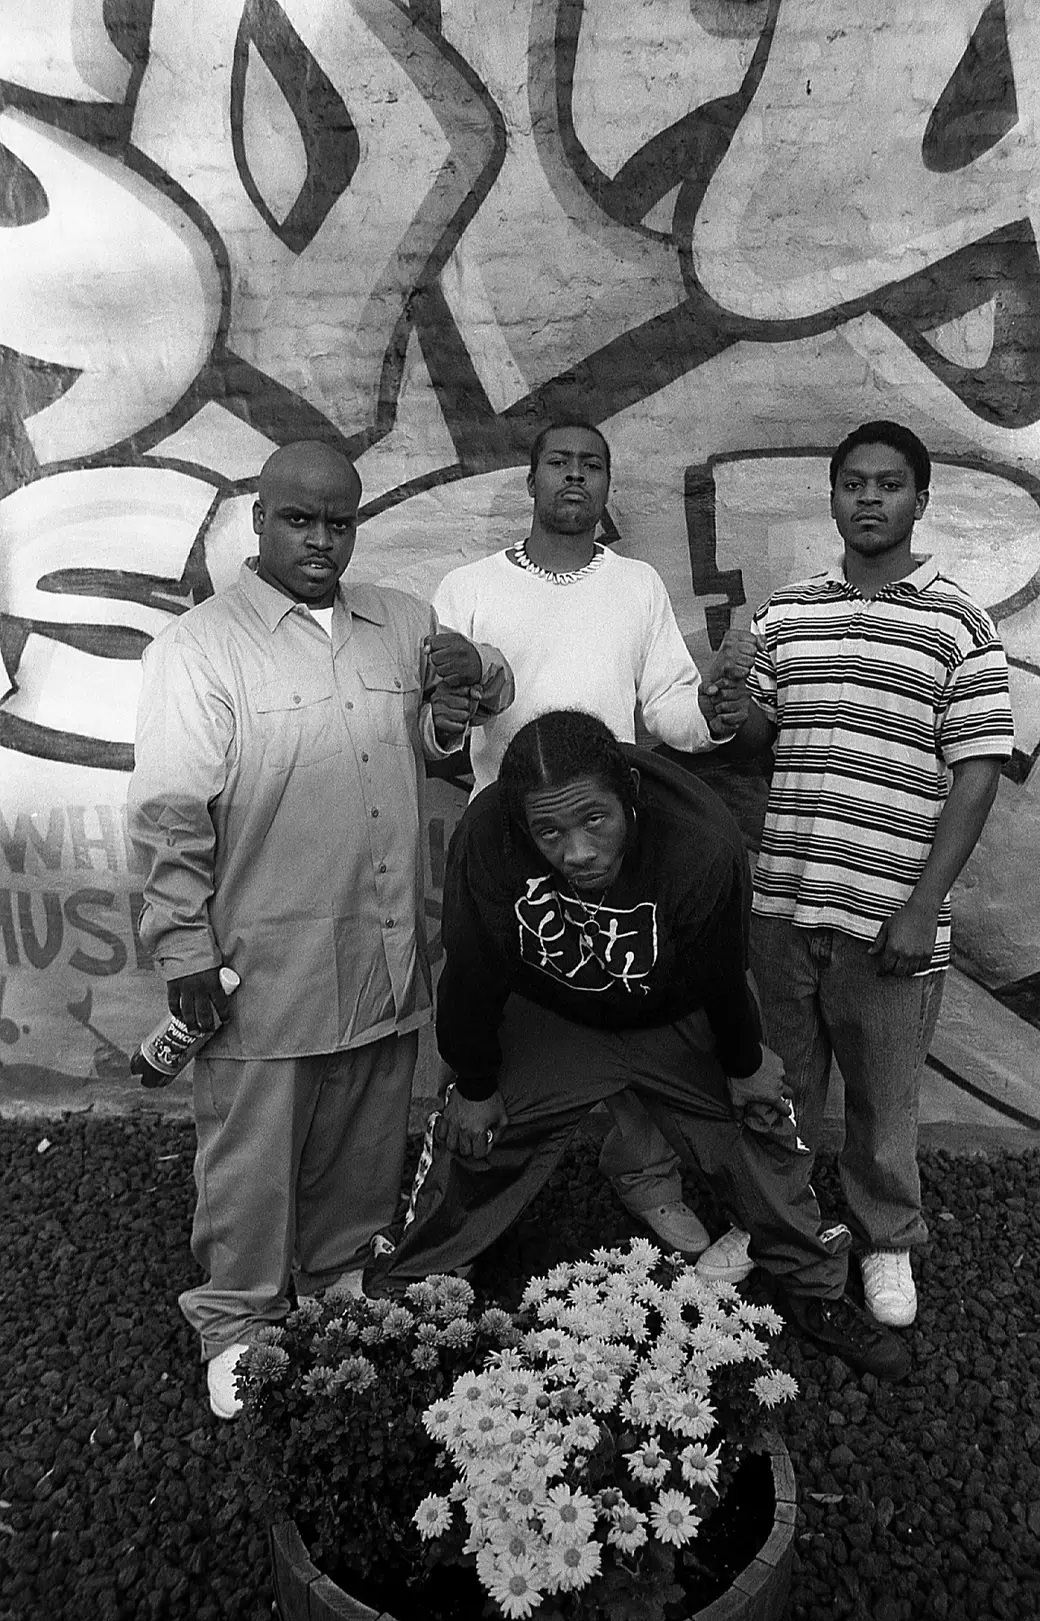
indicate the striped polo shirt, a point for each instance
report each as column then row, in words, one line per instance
column 873, row 698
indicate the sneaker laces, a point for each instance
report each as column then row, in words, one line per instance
column 890, row 1269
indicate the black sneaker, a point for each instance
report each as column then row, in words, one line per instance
column 841, row 1328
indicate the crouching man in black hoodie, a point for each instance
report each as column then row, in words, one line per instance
column 595, row 926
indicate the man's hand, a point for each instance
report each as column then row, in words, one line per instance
column 726, row 707
column 727, row 701
column 454, row 658
column 198, row 1000
column 469, row 1126
column 735, row 657
column 766, row 1084
column 453, row 708
column 904, row 943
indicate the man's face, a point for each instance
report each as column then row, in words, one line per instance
column 581, row 831
column 875, row 502
column 570, row 482
column 306, row 518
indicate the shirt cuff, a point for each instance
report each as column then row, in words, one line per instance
column 174, row 964
column 432, row 749
column 497, row 686
column 476, row 1088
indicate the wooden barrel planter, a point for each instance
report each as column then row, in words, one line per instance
column 757, row 1593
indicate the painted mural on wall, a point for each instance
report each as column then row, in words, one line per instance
column 723, row 232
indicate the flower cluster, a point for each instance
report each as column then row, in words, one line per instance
column 332, row 1409
column 591, row 1452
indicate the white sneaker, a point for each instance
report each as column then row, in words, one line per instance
column 220, row 1377
column 727, row 1260
column 677, row 1227
column 888, row 1287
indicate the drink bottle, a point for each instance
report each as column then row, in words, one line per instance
column 172, row 1044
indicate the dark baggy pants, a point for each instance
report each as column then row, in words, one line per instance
column 553, row 1072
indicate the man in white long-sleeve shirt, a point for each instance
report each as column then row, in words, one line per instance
column 586, row 629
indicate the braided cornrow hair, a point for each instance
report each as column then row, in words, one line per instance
column 554, row 749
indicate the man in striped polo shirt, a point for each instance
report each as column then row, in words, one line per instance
column 884, row 689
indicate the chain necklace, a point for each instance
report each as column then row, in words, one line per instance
column 566, row 576
column 592, row 909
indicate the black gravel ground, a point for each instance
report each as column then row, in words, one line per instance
column 121, row 1497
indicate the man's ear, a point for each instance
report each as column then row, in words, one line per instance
column 530, row 483
column 920, row 504
column 258, row 518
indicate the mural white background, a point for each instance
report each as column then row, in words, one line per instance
column 719, row 230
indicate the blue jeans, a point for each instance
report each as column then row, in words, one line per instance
column 822, row 998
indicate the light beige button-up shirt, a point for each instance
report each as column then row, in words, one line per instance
column 277, row 792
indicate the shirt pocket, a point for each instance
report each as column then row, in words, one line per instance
column 298, row 722
column 393, row 703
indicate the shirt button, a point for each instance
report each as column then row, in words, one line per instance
column 375, row 813
column 349, row 704
column 382, row 866
column 396, row 682
column 389, row 922
column 364, row 758
column 296, row 697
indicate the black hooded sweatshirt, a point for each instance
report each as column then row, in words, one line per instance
column 669, row 937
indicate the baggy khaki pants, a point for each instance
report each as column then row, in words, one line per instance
column 553, row 1072
column 299, row 1162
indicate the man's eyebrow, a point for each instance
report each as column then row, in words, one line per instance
column 302, row 509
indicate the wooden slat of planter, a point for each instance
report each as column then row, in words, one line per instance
column 301, row 1592
column 330, row 1603
column 759, row 1592
column 291, row 1572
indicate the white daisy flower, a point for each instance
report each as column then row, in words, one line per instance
column 773, row 1388
column 528, row 1493
column 699, row 1466
column 691, row 1415
column 573, row 1564
column 648, row 1464
column 673, row 1520
column 547, row 1342
column 546, row 1458
column 602, row 1392
column 519, row 1428
column 628, row 1530
column 581, row 1433
column 486, row 1430
column 468, row 1387
column 512, row 1584
column 512, row 1539
column 536, row 1291
column 433, row 1516
column 568, row 1516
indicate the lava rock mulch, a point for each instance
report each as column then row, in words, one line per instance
column 121, row 1497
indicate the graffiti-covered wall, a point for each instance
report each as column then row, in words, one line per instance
column 727, row 230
